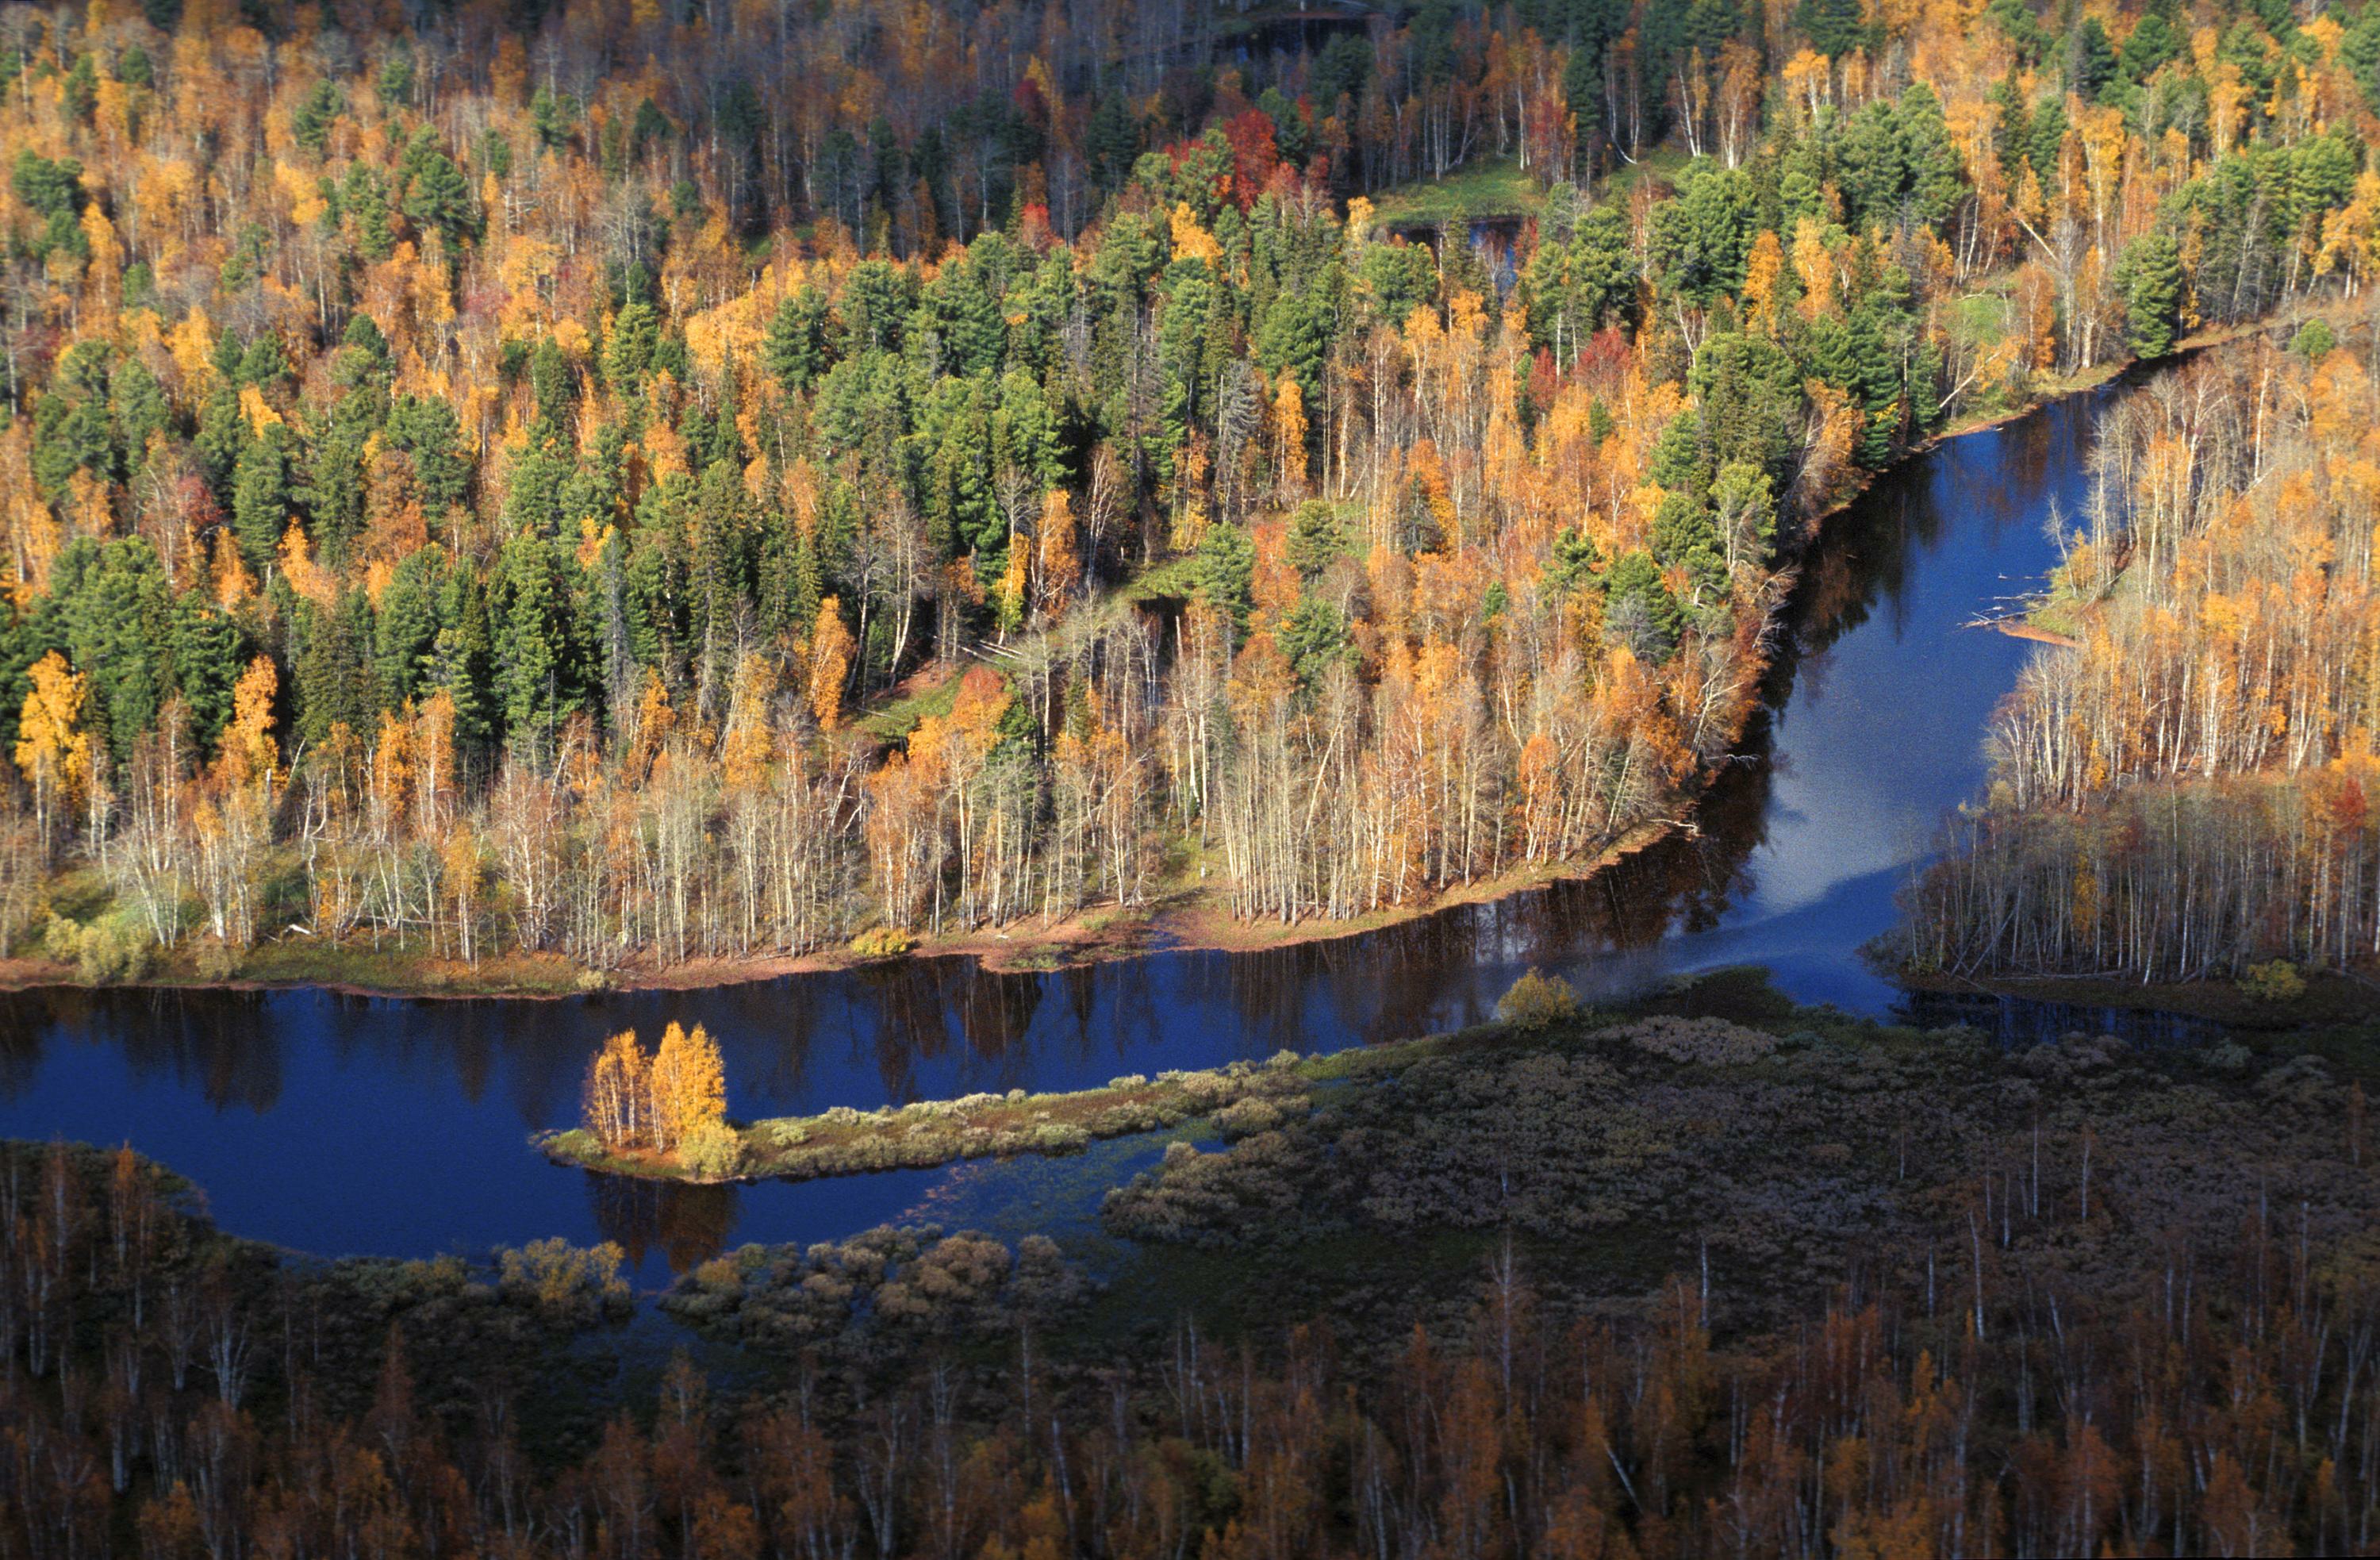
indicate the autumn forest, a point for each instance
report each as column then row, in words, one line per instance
column 899, row 550
column 479, row 491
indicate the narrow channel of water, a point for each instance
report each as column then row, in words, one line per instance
column 335, row 1124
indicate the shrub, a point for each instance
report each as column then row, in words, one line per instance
column 562, row 1277
column 1245, row 1118
column 116, row 947
column 712, row 1151
column 2227, row 1056
column 882, row 942
column 215, row 960
column 2277, row 981
column 1711, row 1042
column 1129, row 1080
column 1536, row 1001
column 62, row 939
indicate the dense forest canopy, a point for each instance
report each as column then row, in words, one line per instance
column 657, row 481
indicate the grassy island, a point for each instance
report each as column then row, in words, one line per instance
column 1242, row 1097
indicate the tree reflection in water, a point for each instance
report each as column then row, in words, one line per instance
column 687, row 1225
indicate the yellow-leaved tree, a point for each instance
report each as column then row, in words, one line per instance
column 52, row 750
column 689, row 1086
column 617, row 1106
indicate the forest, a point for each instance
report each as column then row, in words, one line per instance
column 2182, row 788
column 635, row 484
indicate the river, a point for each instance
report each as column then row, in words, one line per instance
column 335, row 1124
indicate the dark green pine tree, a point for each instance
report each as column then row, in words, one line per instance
column 531, row 644
column 1641, row 611
column 462, row 658
column 549, row 379
column 315, row 116
column 333, row 674
column 207, row 662
column 1317, row 537
column 333, row 486
column 629, row 345
column 1833, row 27
column 118, row 613
column 2150, row 279
column 372, row 224
column 405, row 626
column 1315, row 638
column 137, row 406
column 1227, row 575
column 72, row 428
column 427, row 429
column 793, row 350
column 259, row 498
column 2090, row 59
column 1112, row 142
column 437, row 196
column 1573, row 567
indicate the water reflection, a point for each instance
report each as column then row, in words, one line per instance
column 685, row 1224
column 336, row 1123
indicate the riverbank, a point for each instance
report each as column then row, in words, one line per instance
column 1187, row 920
column 2330, row 998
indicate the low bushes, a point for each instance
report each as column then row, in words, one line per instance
column 712, row 1151
column 883, row 1288
column 568, row 1284
column 116, row 947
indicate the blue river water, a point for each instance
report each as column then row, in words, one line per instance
column 335, row 1124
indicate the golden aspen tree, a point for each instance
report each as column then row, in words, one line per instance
column 246, row 753
column 688, row 1086
column 53, row 749
column 617, row 1098
column 1289, row 434
column 831, row 648
column 1059, row 565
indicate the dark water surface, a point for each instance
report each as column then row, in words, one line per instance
column 336, row 1124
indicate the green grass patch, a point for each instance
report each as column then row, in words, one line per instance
column 1176, row 579
column 1495, row 186
column 314, row 962
column 894, row 722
